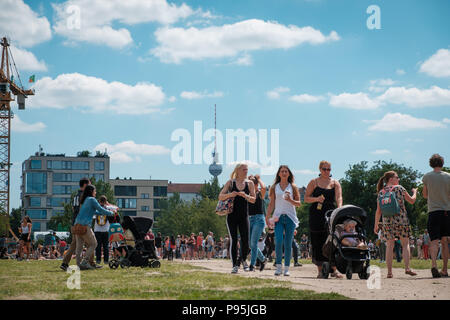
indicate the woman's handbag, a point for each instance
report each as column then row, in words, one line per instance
column 225, row 207
column 79, row 229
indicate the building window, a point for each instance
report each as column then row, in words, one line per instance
column 124, row 203
column 99, row 165
column 36, row 182
column 57, row 202
column 36, row 214
column 64, row 189
column 160, row 191
column 130, row 213
column 80, row 165
column 145, row 208
column 129, row 191
column 35, row 202
column 36, row 226
column 62, row 177
column 157, row 203
column 145, row 196
column 36, row 164
column 99, row 177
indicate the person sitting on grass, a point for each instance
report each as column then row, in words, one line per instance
column 349, row 229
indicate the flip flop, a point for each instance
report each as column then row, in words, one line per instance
column 389, row 275
column 411, row 273
column 443, row 274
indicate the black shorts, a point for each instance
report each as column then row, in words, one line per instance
column 438, row 224
column 24, row 237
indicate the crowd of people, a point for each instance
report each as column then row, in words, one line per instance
column 262, row 237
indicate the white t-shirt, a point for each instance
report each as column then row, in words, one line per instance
column 101, row 223
column 284, row 207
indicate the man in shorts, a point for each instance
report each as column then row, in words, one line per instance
column 199, row 245
column 436, row 188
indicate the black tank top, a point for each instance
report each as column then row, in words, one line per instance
column 317, row 217
column 240, row 206
column 257, row 207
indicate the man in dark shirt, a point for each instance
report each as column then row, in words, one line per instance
column 76, row 209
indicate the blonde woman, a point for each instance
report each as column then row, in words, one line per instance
column 242, row 191
column 398, row 225
column 284, row 197
column 324, row 193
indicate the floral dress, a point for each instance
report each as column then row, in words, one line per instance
column 398, row 225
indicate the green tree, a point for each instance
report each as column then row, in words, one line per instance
column 175, row 217
column 211, row 189
column 15, row 219
column 303, row 220
column 62, row 221
column 84, row 153
column 360, row 183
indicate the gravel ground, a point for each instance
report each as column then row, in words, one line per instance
column 400, row 287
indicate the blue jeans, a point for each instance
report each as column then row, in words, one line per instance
column 257, row 224
column 284, row 233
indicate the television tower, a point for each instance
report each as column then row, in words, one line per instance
column 215, row 169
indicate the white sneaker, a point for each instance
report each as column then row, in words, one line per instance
column 278, row 271
column 286, row 271
column 235, row 269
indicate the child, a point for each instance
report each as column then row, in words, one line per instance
column 349, row 229
column 116, row 238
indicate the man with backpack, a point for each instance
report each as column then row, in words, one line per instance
column 436, row 189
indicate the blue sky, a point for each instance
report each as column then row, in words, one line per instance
column 127, row 78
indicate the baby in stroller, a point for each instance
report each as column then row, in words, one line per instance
column 349, row 230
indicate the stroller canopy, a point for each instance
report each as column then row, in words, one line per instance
column 343, row 213
column 139, row 226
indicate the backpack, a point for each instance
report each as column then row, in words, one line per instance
column 388, row 203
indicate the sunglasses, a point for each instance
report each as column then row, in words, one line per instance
column 326, row 169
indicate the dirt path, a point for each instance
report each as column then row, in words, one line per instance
column 401, row 287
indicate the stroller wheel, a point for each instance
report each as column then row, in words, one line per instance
column 114, row 264
column 125, row 263
column 364, row 275
column 349, row 271
column 155, row 264
column 325, row 270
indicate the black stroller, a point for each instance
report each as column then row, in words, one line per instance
column 348, row 260
column 143, row 254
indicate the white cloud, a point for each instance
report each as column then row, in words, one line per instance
column 275, row 93
column 172, row 99
column 129, row 151
column 178, row 44
column 396, row 122
column 381, row 151
column 23, row 25
column 357, row 101
column 306, row 98
column 438, row 65
column 446, row 120
column 191, row 95
column 97, row 95
column 416, row 98
column 400, row 72
column 26, row 60
column 380, row 84
column 97, row 17
column 244, row 60
column 17, row 125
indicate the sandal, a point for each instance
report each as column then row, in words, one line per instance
column 336, row 275
column 389, row 275
column 411, row 273
column 444, row 274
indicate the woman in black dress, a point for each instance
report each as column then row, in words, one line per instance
column 325, row 194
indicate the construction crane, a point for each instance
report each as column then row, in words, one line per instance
column 8, row 89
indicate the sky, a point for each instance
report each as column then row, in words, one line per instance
column 339, row 81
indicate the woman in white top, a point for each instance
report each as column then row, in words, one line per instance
column 25, row 237
column 284, row 197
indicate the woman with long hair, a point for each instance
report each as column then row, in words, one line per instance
column 25, row 237
column 396, row 226
column 89, row 208
column 325, row 194
column 257, row 223
column 284, row 197
column 242, row 191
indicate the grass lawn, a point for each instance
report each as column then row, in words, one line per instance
column 44, row 280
